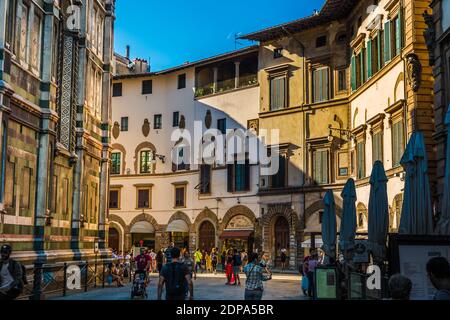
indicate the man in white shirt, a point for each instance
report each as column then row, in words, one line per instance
column 11, row 284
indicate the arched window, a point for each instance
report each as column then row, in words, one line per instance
column 116, row 160
column 146, row 161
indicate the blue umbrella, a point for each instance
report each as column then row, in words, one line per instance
column 329, row 228
column 443, row 227
column 348, row 223
column 378, row 213
column 417, row 215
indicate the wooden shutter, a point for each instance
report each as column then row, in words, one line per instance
column 353, row 75
column 398, row 32
column 230, row 174
column 387, row 41
column 324, row 166
column 379, row 51
column 362, row 73
column 247, row 175
column 369, row 58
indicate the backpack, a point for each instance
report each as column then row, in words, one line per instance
column 175, row 285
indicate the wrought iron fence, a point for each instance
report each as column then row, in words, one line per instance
column 51, row 280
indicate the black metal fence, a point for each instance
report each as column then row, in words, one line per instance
column 51, row 280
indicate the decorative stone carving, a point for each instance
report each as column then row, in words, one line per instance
column 116, row 130
column 240, row 222
column 182, row 124
column 253, row 125
column 208, row 119
column 146, row 128
column 414, row 70
column 430, row 36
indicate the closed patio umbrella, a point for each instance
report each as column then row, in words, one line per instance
column 348, row 223
column 378, row 213
column 417, row 215
column 443, row 227
column 329, row 228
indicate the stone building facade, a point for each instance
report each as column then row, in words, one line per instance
column 55, row 79
column 437, row 36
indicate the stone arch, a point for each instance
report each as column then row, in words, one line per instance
column 206, row 215
column 268, row 224
column 179, row 215
column 121, row 231
column 319, row 205
column 144, row 217
column 400, row 79
column 121, row 148
column 396, row 211
column 143, row 145
column 238, row 210
column 361, row 209
column 122, row 228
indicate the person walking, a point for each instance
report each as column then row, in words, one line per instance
column 153, row 262
column 438, row 270
column 173, row 276
column 229, row 268
column 198, row 256
column 12, row 275
column 189, row 264
column 168, row 253
column 283, row 258
column 159, row 260
column 237, row 264
column 313, row 262
column 254, row 288
column 208, row 260
column 214, row 260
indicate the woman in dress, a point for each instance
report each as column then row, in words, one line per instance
column 229, row 268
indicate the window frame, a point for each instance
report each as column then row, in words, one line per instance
column 180, row 186
column 120, row 163
column 157, row 121
column 124, row 128
column 147, row 188
column 182, row 81
column 117, row 189
column 117, row 90
column 150, row 163
column 147, row 87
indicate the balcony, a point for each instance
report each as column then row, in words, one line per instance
column 227, row 75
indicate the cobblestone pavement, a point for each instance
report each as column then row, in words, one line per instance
column 206, row 287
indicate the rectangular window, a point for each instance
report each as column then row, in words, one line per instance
column 205, row 179
column 358, row 69
column 10, row 24
column 146, row 161
column 369, row 56
column 124, row 124
column 361, row 159
column 387, row 42
column 321, row 85
column 277, row 53
column 238, row 177
column 279, row 179
column 182, row 81
column 23, row 29
column 377, row 146
column 342, row 80
column 114, row 199
column 398, row 142
column 180, row 197
column 320, row 166
column 147, row 87
column 176, row 119
column 143, row 200
column 353, row 79
column 222, row 125
column 35, row 42
column 26, row 189
column 117, row 89
column 115, row 162
column 278, row 93
column 157, row 123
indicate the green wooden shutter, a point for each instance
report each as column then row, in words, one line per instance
column 379, row 51
column 324, row 167
column 362, row 73
column 387, row 41
column 230, row 180
column 369, row 58
column 398, row 32
column 353, row 75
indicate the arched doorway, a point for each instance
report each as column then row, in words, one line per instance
column 281, row 230
column 207, row 236
column 113, row 238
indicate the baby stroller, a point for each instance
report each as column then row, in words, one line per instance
column 139, row 288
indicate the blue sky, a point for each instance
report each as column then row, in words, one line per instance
column 171, row 32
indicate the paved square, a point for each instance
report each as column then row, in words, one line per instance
column 206, row 287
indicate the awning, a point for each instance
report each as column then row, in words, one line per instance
column 236, row 234
column 142, row 227
column 178, row 226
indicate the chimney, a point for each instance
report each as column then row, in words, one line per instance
column 128, row 52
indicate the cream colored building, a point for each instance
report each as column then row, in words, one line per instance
column 155, row 201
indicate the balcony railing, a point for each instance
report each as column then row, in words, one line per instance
column 226, row 85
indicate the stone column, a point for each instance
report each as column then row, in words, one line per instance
column 236, row 74
column 106, row 125
column 216, row 75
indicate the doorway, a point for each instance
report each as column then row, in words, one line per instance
column 113, row 239
column 207, row 236
column 281, row 238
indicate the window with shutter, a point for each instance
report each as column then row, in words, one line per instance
column 143, row 198
column 115, row 162
column 353, row 75
column 279, row 180
column 377, row 152
column 387, row 41
column 369, row 58
column 278, row 93
column 230, row 177
column 205, row 179
column 114, row 199
column 320, row 166
column 361, row 158
column 398, row 142
column 321, row 84
column 362, row 66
